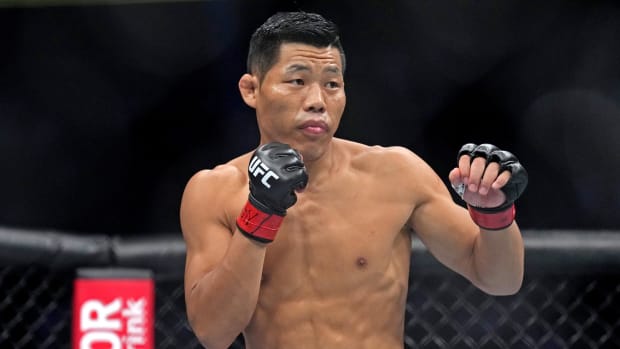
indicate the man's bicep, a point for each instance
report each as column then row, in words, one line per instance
column 205, row 231
column 446, row 230
column 203, row 255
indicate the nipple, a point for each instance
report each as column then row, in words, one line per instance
column 362, row 262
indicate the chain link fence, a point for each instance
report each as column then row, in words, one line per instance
column 564, row 303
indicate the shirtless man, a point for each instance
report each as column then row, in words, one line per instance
column 336, row 274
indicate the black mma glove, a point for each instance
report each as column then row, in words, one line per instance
column 500, row 217
column 276, row 170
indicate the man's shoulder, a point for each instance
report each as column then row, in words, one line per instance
column 395, row 171
column 228, row 176
column 377, row 157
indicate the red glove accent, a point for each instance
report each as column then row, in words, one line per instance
column 258, row 225
column 493, row 220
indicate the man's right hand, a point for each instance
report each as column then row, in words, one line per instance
column 276, row 170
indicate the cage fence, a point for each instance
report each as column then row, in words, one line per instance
column 562, row 304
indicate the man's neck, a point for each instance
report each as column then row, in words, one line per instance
column 322, row 167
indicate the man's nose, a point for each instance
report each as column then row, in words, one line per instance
column 315, row 101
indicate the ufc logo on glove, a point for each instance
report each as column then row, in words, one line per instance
column 258, row 168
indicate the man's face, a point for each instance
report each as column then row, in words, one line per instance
column 301, row 98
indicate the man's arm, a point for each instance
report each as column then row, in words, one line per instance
column 223, row 270
column 492, row 259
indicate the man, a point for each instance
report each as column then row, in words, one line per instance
column 306, row 242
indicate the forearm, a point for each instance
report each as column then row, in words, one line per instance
column 498, row 260
column 222, row 303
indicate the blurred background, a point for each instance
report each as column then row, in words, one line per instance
column 108, row 108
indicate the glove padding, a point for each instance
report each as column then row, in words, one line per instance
column 502, row 216
column 275, row 171
column 507, row 162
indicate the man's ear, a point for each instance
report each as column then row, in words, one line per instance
column 248, row 86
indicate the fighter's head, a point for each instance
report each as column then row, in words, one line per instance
column 290, row 27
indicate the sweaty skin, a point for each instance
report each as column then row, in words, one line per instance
column 336, row 275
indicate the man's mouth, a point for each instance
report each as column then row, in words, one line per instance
column 315, row 127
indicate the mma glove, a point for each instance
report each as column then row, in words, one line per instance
column 500, row 217
column 275, row 170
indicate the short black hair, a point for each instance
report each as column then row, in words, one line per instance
column 290, row 27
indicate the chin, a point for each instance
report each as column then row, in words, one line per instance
column 312, row 152
column 310, row 149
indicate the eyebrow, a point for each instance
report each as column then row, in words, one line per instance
column 297, row 67
column 332, row 69
column 301, row 67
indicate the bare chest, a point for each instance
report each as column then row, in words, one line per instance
column 337, row 240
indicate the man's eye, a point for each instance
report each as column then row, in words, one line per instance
column 297, row 82
column 333, row 84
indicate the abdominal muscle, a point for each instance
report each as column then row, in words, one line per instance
column 346, row 306
column 358, row 321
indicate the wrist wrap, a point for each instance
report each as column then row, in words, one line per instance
column 492, row 219
column 258, row 225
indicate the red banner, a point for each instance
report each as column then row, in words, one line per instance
column 113, row 312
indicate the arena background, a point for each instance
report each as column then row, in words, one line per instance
column 107, row 110
column 108, row 107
